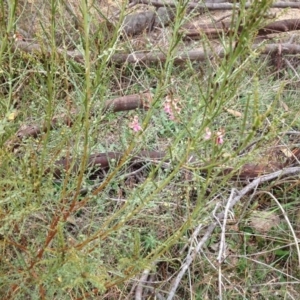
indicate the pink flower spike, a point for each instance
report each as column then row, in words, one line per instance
column 134, row 125
column 220, row 135
column 171, row 107
column 219, row 140
column 171, row 117
column 137, row 127
column 207, row 134
column 167, row 108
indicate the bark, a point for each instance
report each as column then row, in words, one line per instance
column 195, row 33
column 138, row 23
column 214, row 31
column 198, row 55
column 157, row 57
column 32, row 48
column 146, row 21
column 130, row 102
column 101, row 161
column 213, row 5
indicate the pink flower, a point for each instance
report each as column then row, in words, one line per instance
column 134, row 125
column 207, row 134
column 220, row 135
column 171, row 107
column 167, row 108
column 219, row 140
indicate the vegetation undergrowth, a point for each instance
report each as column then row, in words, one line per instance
column 91, row 232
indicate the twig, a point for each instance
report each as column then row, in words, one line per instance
column 142, row 282
column 225, row 278
column 260, row 180
column 192, row 238
column 134, row 172
column 293, row 69
column 222, row 242
column 221, row 19
column 214, row 214
column 190, row 257
column 246, row 205
column 159, row 56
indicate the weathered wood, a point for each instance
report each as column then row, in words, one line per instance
column 197, row 55
column 213, row 5
column 101, row 161
column 125, row 103
column 215, row 30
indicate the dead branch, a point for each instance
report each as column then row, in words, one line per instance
column 213, row 5
column 280, row 26
column 160, row 57
column 281, row 4
column 197, row 55
column 274, row 48
column 142, row 282
column 125, row 103
column 101, row 161
column 31, row 48
column 194, row 55
column 214, row 30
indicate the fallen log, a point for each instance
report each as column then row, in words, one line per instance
column 31, row 47
column 198, row 55
column 215, row 30
column 125, row 103
column 102, row 161
column 147, row 20
column 213, row 5
column 193, row 55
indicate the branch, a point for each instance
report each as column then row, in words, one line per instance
column 197, row 55
column 101, row 161
column 213, row 5
column 214, row 30
column 30, row 47
column 160, row 57
column 125, row 103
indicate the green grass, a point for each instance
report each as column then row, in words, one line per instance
column 83, row 236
